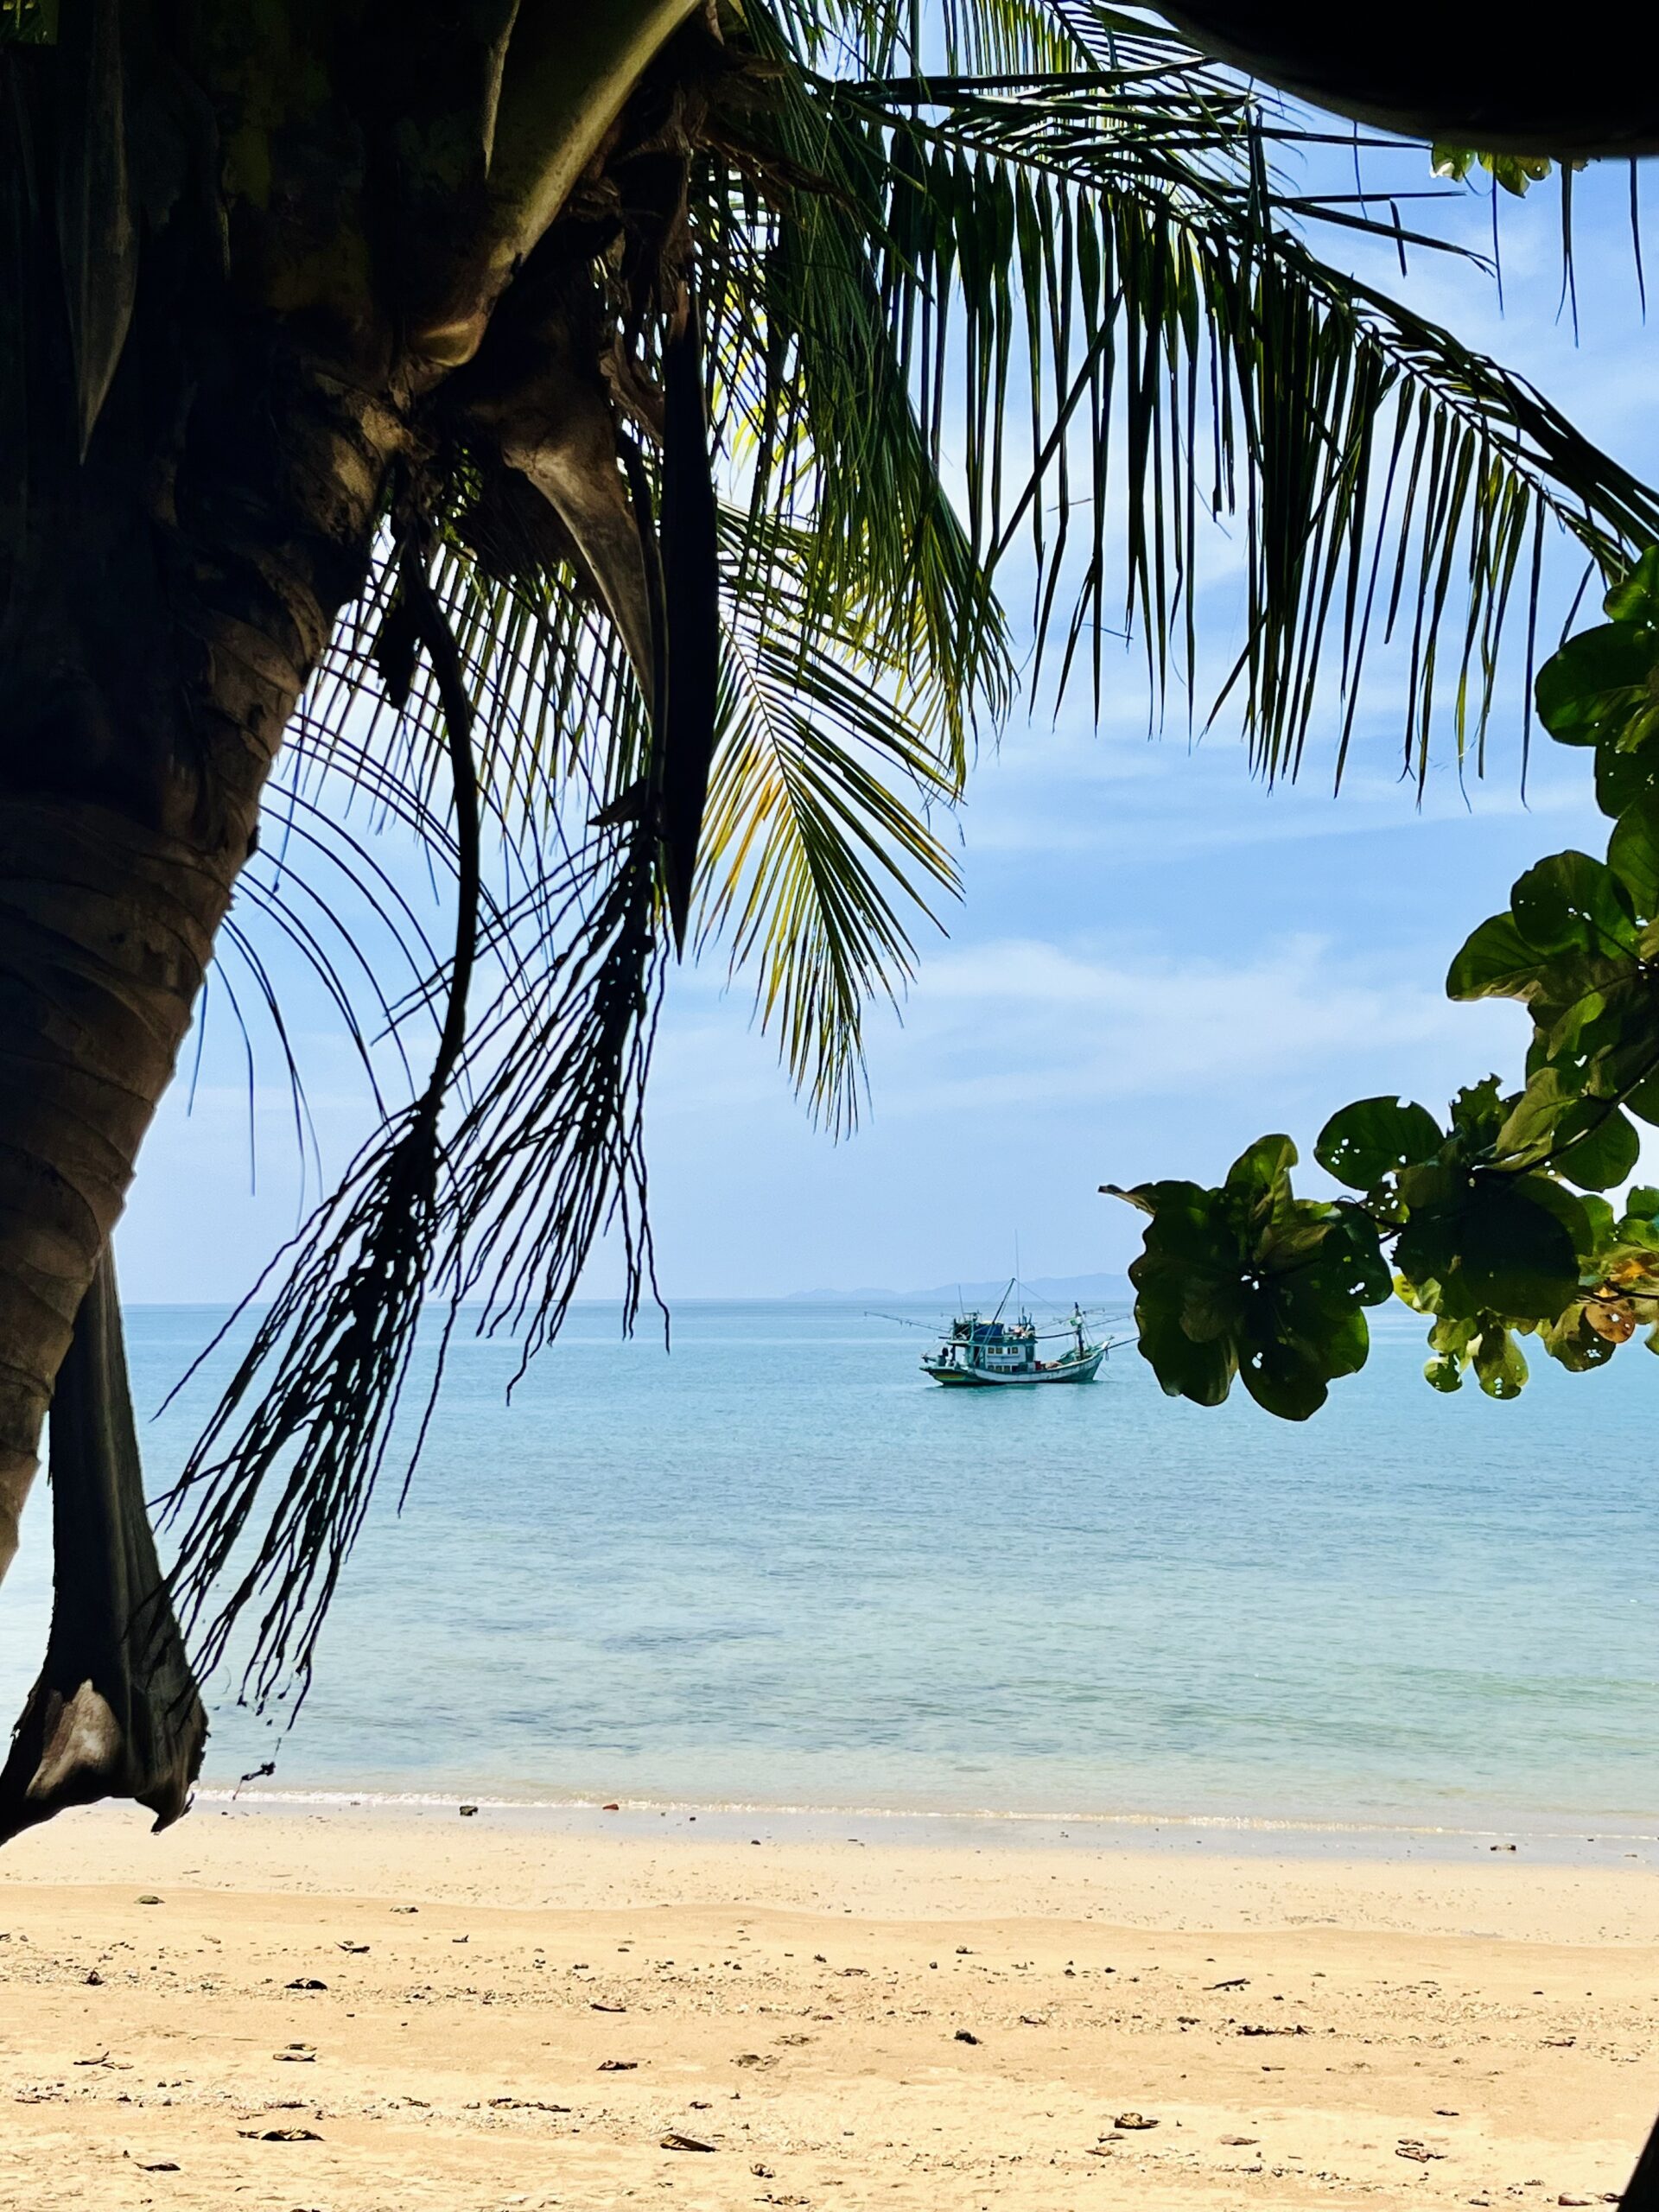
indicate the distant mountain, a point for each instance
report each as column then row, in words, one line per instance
column 1051, row 1290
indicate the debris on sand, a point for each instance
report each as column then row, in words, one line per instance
column 677, row 2142
column 1129, row 2120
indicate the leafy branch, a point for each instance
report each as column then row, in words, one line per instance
column 1494, row 1222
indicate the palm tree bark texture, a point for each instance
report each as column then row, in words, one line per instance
column 239, row 247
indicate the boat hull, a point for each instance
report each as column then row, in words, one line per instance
column 970, row 1378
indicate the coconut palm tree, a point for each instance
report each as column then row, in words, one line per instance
column 603, row 441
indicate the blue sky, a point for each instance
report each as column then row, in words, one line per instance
column 1155, row 959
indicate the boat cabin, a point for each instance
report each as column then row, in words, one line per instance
column 993, row 1347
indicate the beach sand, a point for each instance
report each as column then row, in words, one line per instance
column 498, row 2011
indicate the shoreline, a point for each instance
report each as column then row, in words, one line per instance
column 1563, row 1842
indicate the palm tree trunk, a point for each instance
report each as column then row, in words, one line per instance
column 105, row 931
column 116, row 1711
column 200, row 400
column 176, row 590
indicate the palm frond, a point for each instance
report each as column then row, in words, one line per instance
column 817, row 850
column 1112, row 249
column 996, row 297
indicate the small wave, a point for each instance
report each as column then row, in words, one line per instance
column 1241, row 1824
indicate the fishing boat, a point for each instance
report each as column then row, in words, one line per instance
column 997, row 1354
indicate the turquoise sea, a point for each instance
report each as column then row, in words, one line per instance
column 776, row 1569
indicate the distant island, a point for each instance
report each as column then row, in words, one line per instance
column 1056, row 1290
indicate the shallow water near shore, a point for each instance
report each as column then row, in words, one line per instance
column 776, row 1569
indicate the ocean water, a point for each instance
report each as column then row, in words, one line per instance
column 777, row 1567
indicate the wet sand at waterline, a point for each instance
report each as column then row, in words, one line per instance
column 355, row 2009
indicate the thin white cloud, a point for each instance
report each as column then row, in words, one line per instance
column 1017, row 1018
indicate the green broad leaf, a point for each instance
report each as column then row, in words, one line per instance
column 1203, row 1372
column 1644, row 1099
column 1581, row 1018
column 1363, row 1144
column 1138, row 1196
column 1641, row 1203
column 1517, row 1256
column 1213, row 1308
column 1515, row 172
column 1600, row 1219
column 1637, row 598
column 1569, row 1209
column 1477, row 1112
column 1433, row 1184
column 1263, row 1167
column 1624, row 777
column 1286, row 1380
column 1495, row 961
column 1445, row 1375
column 1501, row 1246
column 1185, row 1223
column 1535, row 1122
column 1454, row 1334
column 1598, row 689
column 1343, row 1269
column 1633, row 853
column 1500, row 1367
column 1606, row 1154
column 1249, row 1280
column 1429, row 1252
column 1571, row 903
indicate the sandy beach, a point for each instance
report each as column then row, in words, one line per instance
column 353, row 2009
